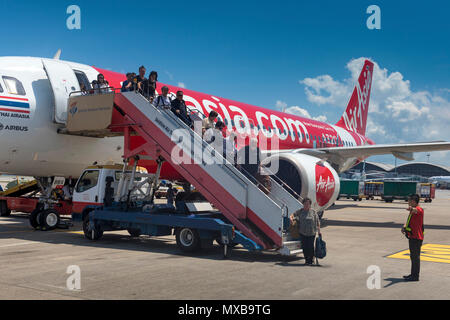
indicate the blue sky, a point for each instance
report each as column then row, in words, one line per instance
column 253, row 51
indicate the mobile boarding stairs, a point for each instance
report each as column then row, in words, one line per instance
column 259, row 218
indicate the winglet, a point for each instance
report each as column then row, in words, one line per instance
column 355, row 116
column 57, row 54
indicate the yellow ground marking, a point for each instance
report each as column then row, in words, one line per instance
column 429, row 252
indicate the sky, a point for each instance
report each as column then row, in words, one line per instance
column 298, row 56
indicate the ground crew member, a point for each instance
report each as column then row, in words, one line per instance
column 414, row 230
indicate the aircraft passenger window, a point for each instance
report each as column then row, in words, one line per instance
column 14, row 86
column 88, row 180
column 1, row 89
column 82, row 79
column 242, row 124
column 226, row 121
column 232, row 123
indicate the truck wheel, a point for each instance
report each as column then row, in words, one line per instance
column 134, row 232
column 35, row 217
column 188, row 239
column 4, row 210
column 49, row 219
column 92, row 234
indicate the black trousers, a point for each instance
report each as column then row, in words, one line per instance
column 308, row 247
column 414, row 254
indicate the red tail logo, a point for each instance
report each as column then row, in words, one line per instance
column 325, row 185
column 355, row 116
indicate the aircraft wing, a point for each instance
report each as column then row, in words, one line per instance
column 340, row 155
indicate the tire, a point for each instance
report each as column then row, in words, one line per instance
column 134, row 232
column 4, row 210
column 94, row 234
column 188, row 239
column 35, row 218
column 49, row 219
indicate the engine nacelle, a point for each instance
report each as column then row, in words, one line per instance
column 308, row 176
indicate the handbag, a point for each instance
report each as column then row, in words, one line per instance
column 293, row 230
column 321, row 248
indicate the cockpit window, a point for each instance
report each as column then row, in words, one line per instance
column 14, row 86
column 83, row 80
column 1, row 89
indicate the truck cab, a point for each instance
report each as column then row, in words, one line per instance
column 96, row 186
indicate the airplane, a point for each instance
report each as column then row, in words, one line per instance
column 33, row 106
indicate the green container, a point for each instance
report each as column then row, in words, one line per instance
column 398, row 190
column 351, row 189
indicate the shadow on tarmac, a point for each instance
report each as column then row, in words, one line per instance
column 164, row 245
column 393, row 281
column 391, row 224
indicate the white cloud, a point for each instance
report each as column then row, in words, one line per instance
column 181, row 85
column 296, row 110
column 396, row 113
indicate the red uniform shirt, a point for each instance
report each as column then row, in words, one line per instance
column 416, row 224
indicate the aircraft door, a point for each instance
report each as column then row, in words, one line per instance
column 63, row 81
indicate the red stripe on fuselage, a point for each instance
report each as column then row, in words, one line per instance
column 13, row 98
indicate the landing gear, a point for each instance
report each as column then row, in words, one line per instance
column 49, row 219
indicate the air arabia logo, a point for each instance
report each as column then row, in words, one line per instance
column 325, row 185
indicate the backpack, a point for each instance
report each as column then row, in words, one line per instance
column 321, row 248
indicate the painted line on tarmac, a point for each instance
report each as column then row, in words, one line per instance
column 429, row 252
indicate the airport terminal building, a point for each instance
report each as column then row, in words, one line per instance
column 424, row 169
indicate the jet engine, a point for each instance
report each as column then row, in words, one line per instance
column 308, row 176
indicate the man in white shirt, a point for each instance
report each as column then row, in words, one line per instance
column 163, row 101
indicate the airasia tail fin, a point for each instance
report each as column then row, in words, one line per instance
column 355, row 116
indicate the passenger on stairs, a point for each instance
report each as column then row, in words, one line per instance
column 163, row 100
column 215, row 135
column 249, row 160
column 150, row 85
column 180, row 109
column 209, row 121
column 128, row 85
column 229, row 148
column 100, row 85
column 140, row 80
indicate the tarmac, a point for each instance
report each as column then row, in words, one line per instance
column 361, row 236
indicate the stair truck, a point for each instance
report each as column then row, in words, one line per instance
column 245, row 214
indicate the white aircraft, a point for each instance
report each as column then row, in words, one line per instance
column 33, row 106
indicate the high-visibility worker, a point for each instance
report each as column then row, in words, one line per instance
column 414, row 230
